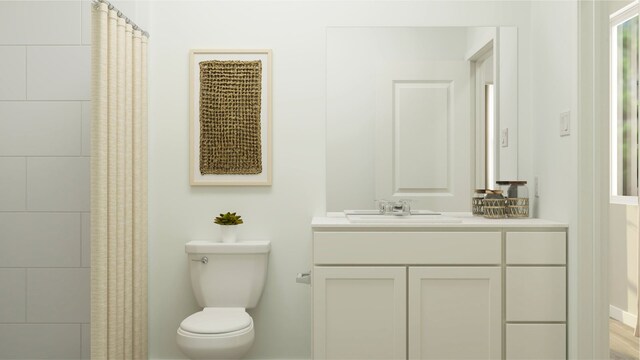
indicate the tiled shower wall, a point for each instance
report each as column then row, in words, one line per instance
column 45, row 58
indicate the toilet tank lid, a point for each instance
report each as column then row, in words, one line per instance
column 242, row 247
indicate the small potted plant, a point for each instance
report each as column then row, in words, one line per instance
column 227, row 224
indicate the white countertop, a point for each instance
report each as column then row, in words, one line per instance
column 339, row 220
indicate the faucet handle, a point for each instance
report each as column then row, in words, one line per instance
column 400, row 207
column 406, row 206
column 382, row 205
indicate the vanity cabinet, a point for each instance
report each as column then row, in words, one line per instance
column 439, row 293
column 361, row 312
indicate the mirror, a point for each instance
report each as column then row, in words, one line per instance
column 418, row 113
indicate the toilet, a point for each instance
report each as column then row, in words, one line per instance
column 226, row 279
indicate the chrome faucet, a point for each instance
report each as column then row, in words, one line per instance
column 399, row 208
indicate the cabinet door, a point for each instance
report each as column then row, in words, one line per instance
column 455, row 313
column 359, row 312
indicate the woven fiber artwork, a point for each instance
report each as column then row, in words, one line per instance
column 230, row 101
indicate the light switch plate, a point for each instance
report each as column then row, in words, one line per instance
column 504, row 137
column 565, row 121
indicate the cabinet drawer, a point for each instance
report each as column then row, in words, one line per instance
column 536, row 248
column 423, row 248
column 536, row 341
column 536, row 293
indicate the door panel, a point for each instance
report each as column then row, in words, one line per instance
column 423, row 134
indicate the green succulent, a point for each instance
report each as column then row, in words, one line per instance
column 228, row 219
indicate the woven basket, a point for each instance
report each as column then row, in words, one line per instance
column 494, row 208
column 477, row 206
column 517, row 207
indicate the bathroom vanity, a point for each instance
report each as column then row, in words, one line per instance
column 475, row 289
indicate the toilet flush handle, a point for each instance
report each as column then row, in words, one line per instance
column 204, row 260
column 304, row 278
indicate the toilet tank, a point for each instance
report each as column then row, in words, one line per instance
column 232, row 275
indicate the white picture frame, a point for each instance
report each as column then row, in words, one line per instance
column 197, row 179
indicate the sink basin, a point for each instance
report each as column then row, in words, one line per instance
column 412, row 219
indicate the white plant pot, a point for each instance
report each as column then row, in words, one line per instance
column 229, row 233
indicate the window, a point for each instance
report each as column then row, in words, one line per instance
column 624, row 105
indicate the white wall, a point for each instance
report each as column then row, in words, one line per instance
column 555, row 159
column 478, row 38
column 44, row 180
column 510, row 88
column 296, row 31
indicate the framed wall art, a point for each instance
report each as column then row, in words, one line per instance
column 230, row 117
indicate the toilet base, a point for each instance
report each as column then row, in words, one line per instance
column 233, row 345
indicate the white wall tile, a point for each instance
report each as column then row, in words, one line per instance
column 34, row 128
column 58, row 72
column 39, row 239
column 86, row 239
column 13, row 182
column 39, row 22
column 86, row 341
column 41, row 58
column 58, row 295
column 13, row 72
column 40, row 341
column 13, row 296
column 58, row 184
column 86, row 22
column 86, row 128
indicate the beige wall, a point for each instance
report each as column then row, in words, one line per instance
column 623, row 257
column 615, row 5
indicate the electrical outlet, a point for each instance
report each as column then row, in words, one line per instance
column 504, row 137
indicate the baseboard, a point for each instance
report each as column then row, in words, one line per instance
column 624, row 317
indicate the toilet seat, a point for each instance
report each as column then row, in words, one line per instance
column 217, row 321
column 211, row 337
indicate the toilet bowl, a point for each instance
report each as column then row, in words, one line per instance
column 216, row 333
column 226, row 279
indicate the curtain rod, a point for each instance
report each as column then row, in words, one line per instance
column 121, row 15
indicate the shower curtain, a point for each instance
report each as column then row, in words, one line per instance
column 118, row 188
